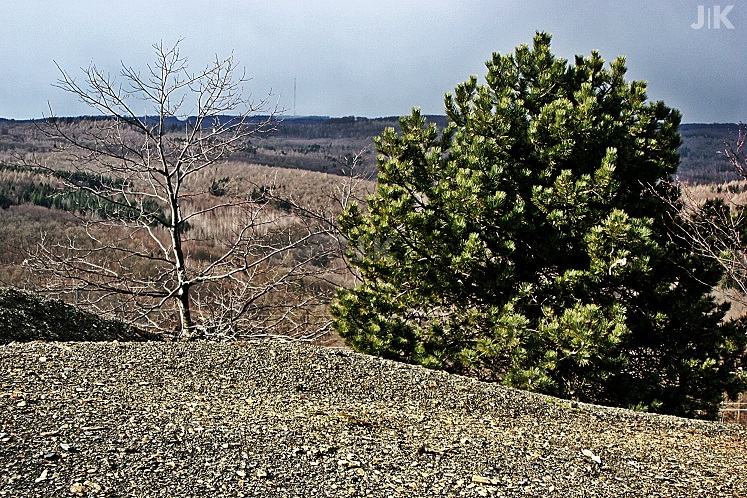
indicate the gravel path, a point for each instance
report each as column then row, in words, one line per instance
column 277, row 419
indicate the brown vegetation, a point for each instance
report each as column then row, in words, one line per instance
column 22, row 227
column 303, row 162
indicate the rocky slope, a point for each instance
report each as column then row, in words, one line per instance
column 279, row 419
column 29, row 317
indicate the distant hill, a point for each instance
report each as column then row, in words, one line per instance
column 701, row 161
column 314, row 140
column 322, row 143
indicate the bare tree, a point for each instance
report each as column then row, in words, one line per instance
column 164, row 242
column 716, row 227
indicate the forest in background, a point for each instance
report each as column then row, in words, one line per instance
column 701, row 158
column 317, row 143
column 305, row 159
column 308, row 160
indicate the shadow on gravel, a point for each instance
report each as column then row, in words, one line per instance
column 26, row 317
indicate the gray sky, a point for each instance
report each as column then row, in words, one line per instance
column 374, row 58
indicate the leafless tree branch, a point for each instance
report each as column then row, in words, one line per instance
column 146, row 216
column 715, row 227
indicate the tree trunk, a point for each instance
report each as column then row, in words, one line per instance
column 186, row 331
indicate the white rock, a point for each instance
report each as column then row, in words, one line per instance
column 590, row 454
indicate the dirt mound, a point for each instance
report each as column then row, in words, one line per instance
column 26, row 317
column 195, row 419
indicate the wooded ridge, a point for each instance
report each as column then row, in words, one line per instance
column 319, row 142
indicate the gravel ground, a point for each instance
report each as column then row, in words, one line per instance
column 279, row 419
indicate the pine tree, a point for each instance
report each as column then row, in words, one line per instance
column 528, row 242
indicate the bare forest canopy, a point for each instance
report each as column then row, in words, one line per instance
column 319, row 143
column 701, row 153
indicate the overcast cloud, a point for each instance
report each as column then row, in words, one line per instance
column 373, row 58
